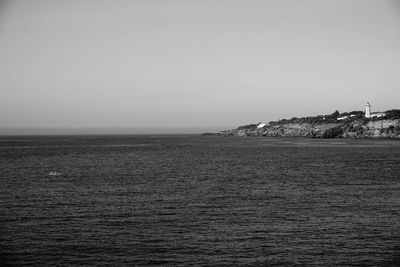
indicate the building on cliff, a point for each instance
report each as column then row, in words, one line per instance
column 261, row 125
column 367, row 110
column 369, row 114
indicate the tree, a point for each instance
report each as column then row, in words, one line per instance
column 335, row 114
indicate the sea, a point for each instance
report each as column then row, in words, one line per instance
column 191, row 200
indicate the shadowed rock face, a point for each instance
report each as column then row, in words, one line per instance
column 354, row 127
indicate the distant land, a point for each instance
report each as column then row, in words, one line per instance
column 8, row 131
column 354, row 124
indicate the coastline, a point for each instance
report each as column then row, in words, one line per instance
column 336, row 125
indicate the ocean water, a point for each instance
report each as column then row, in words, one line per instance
column 199, row 201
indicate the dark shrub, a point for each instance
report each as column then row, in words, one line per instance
column 248, row 127
column 333, row 132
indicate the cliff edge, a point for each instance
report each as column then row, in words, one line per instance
column 337, row 125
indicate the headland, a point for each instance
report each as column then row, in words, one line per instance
column 355, row 124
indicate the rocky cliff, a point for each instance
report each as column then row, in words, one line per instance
column 336, row 125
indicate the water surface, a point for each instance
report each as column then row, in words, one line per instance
column 192, row 200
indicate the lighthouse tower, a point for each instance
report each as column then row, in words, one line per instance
column 368, row 110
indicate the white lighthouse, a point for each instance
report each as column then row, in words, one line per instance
column 368, row 110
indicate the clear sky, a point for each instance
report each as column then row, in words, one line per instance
column 181, row 63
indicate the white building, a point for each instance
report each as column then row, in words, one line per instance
column 261, row 125
column 369, row 114
column 368, row 110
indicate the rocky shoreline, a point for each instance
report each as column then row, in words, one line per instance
column 354, row 125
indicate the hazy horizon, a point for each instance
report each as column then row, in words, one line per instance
column 184, row 64
column 10, row 131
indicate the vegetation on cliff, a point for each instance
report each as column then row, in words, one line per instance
column 336, row 125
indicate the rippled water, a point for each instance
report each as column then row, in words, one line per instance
column 192, row 200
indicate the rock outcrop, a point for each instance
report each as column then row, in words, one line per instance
column 345, row 125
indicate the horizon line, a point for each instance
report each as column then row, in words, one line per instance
column 107, row 130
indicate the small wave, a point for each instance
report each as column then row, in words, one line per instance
column 53, row 173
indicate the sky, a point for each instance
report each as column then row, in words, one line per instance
column 185, row 63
